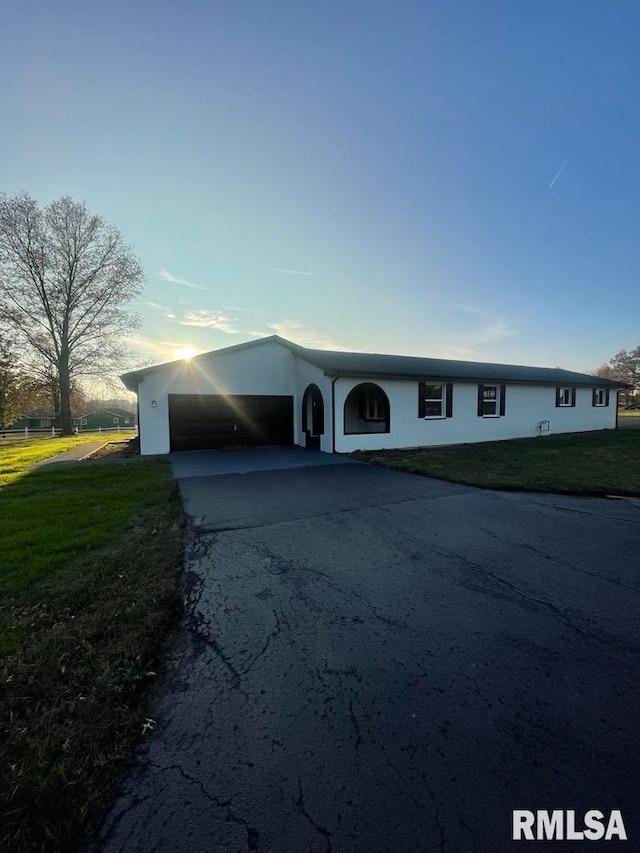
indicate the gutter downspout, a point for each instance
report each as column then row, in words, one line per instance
column 138, row 418
column 333, row 413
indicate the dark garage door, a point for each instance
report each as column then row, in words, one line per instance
column 203, row 421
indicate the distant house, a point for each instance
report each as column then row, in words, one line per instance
column 108, row 418
column 37, row 419
column 271, row 391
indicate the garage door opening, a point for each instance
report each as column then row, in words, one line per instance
column 210, row 421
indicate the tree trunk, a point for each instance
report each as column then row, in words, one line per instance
column 65, row 398
column 55, row 396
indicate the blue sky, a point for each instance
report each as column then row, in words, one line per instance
column 373, row 176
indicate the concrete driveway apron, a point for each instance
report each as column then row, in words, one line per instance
column 373, row 661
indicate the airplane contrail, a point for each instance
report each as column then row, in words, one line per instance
column 559, row 172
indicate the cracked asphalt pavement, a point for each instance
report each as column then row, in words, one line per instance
column 375, row 661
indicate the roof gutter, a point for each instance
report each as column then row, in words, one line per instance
column 356, row 374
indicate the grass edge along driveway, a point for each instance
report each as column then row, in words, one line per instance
column 18, row 453
column 605, row 462
column 89, row 563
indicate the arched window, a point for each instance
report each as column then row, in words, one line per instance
column 366, row 410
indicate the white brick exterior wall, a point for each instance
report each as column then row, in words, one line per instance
column 526, row 406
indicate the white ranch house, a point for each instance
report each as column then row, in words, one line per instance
column 271, row 391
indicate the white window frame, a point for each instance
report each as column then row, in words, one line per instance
column 601, row 398
column 495, row 400
column 373, row 406
column 83, row 421
column 564, row 391
column 116, row 420
column 442, row 400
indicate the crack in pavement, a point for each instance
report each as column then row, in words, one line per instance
column 253, row 836
column 196, row 623
column 321, row 830
column 585, row 511
column 560, row 614
column 135, row 802
column 274, row 633
column 231, row 528
column 287, row 567
column 555, row 560
column 355, row 724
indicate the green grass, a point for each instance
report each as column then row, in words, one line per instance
column 89, row 563
column 630, row 419
column 596, row 463
column 17, row 454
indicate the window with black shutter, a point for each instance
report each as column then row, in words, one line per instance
column 600, row 397
column 491, row 401
column 449, row 400
column 565, row 397
column 435, row 400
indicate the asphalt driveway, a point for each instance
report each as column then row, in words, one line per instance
column 374, row 661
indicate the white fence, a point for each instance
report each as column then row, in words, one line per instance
column 52, row 432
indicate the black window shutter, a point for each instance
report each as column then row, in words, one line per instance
column 573, row 396
column 606, row 397
column 480, row 397
column 558, row 397
column 421, row 394
column 449, row 412
column 594, row 394
column 503, row 394
column 362, row 402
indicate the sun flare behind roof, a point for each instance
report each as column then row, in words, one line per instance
column 185, row 352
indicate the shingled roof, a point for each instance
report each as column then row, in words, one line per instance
column 361, row 364
column 410, row 367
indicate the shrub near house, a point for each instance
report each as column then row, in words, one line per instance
column 110, row 418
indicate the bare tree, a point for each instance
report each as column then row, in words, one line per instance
column 624, row 367
column 65, row 276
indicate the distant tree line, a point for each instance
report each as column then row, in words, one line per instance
column 624, row 367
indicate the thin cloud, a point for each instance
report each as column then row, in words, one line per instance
column 491, row 329
column 299, row 334
column 166, row 276
column 167, row 312
column 206, row 320
column 558, row 173
column 290, row 272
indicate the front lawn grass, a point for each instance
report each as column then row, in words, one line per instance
column 606, row 462
column 17, row 454
column 89, row 563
